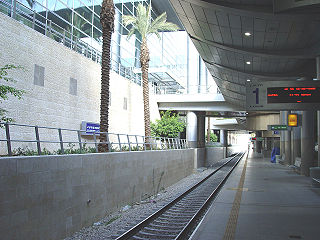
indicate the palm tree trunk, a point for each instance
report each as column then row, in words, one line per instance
column 208, row 131
column 144, row 60
column 107, row 21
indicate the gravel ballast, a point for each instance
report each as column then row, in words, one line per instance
column 119, row 222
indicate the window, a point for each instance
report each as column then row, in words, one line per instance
column 125, row 103
column 73, row 86
column 38, row 75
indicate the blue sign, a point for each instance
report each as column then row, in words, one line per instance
column 275, row 132
column 90, row 128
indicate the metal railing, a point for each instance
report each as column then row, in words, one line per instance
column 115, row 141
column 49, row 28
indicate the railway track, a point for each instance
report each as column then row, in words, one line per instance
column 175, row 219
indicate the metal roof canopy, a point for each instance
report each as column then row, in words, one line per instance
column 283, row 42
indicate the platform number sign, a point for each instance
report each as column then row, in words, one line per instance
column 254, row 98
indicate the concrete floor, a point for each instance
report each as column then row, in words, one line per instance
column 276, row 203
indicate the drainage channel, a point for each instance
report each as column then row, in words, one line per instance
column 177, row 218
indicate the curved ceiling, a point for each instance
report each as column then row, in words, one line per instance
column 283, row 44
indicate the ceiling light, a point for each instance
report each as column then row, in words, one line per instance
column 248, row 34
column 248, row 62
column 248, row 80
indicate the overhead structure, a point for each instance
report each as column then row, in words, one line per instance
column 247, row 42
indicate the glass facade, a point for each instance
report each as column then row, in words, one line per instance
column 76, row 24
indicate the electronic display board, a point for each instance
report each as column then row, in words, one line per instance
column 283, row 95
column 293, row 95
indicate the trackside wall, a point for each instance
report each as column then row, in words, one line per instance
column 54, row 196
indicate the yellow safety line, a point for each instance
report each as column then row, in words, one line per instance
column 233, row 218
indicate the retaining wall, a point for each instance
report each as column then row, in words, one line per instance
column 53, row 196
column 214, row 154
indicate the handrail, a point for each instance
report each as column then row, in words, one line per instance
column 124, row 142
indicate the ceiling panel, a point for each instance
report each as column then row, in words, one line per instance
column 217, row 30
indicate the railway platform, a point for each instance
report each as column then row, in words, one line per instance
column 263, row 200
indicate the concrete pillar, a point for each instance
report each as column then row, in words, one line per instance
column 307, row 142
column 208, row 130
column 318, row 120
column 287, row 141
column 282, row 145
column 224, row 141
column 258, row 143
column 224, row 138
column 318, row 112
column 192, row 126
column 201, row 117
column 296, row 142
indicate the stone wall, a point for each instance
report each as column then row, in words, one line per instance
column 69, row 92
column 54, row 196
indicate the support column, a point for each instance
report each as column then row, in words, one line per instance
column 258, row 143
column 282, row 145
column 307, row 142
column 287, row 140
column 224, row 141
column 318, row 120
column 224, row 138
column 318, row 112
column 208, row 131
column 296, row 142
column 201, row 116
column 192, row 132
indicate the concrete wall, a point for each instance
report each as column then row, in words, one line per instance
column 199, row 157
column 52, row 104
column 47, row 197
column 214, row 154
column 261, row 122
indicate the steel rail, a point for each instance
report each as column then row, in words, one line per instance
column 182, row 235
column 134, row 230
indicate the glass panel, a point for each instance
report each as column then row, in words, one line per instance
column 82, row 28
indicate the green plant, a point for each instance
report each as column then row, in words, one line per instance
column 112, row 220
column 5, row 90
column 170, row 125
column 24, row 151
column 213, row 137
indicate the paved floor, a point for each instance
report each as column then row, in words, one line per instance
column 273, row 203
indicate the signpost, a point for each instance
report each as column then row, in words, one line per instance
column 259, row 139
column 278, row 128
column 90, row 128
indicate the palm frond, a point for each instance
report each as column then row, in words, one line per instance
column 143, row 23
column 131, row 32
column 128, row 19
column 160, row 19
column 143, row 19
column 168, row 26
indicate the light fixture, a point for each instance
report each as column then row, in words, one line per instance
column 248, row 34
column 248, row 62
column 248, row 80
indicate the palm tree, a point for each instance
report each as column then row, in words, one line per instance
column 143, row 25
column 107, row 22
